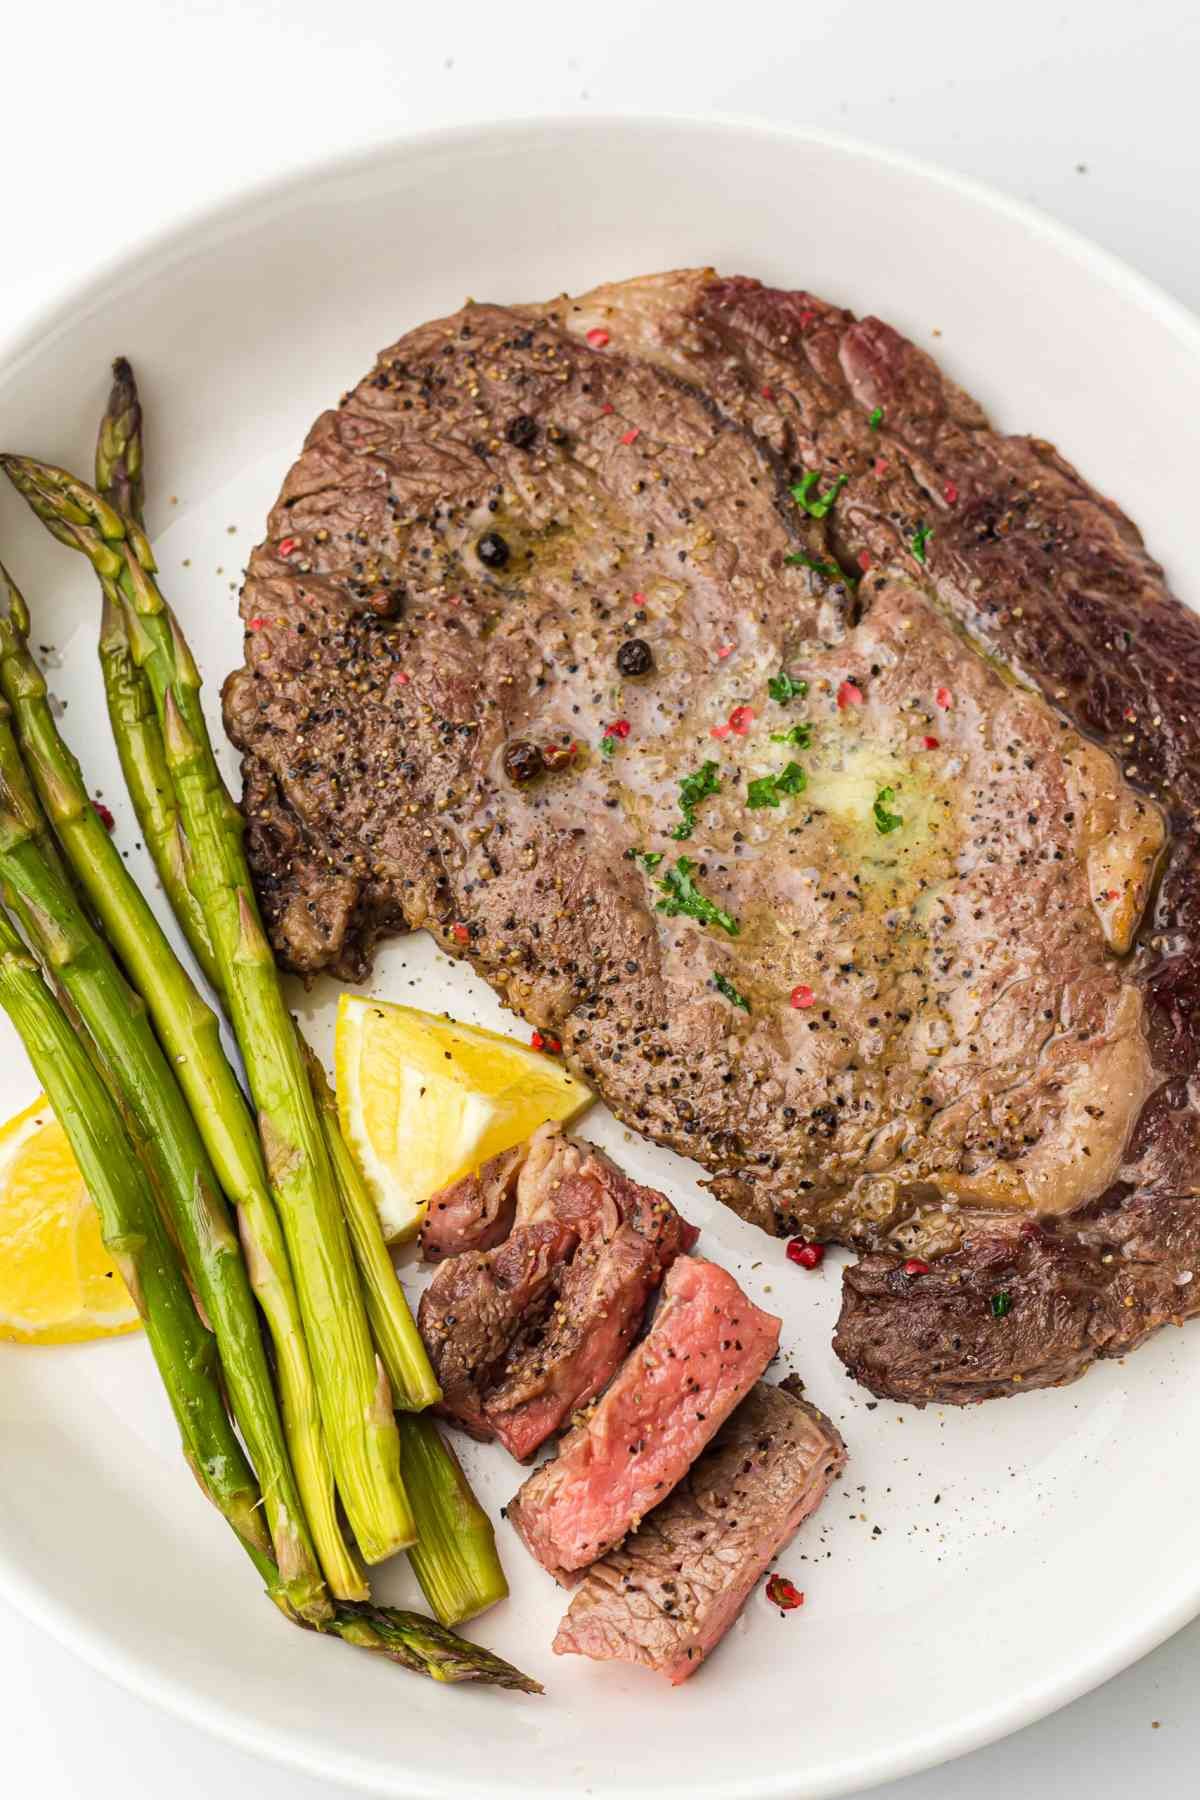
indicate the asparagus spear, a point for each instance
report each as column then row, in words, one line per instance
column 182, row 1347
column 427, row 1648
column 190, row 1034
column 136, row 1238
column 116, row 1019
column 120, row 464
column 414, row 1384
column 455, row 1557
column 120, row 459
column 353, row 1388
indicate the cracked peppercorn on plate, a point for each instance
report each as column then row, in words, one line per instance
column 951, row 1585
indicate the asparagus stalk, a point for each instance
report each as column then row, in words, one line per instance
column 120, row 458
column 455, row 1557
column 190, row 1035
column 428, row 1649
column 144, row 766
column 182, row 1347
column 353, row 1388
column 414, row 1384
column 116, row 1019
column 136, row 1238
column 120, row 464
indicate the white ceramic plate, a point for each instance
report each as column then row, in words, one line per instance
column 975, row 1569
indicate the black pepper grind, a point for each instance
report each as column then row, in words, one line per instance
column 522, row 762
column 522, row 431
column 635, row 657
column 492, row 550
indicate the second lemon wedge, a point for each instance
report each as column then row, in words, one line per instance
column 58, row 1284
column 423, row 1100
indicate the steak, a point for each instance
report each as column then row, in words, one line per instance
column 707, row 1347
column 815, row 762
column 522, row 1334
column 667, row 1597
column 475, row 1213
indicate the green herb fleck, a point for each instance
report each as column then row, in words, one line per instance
column 875, row 419
column 798, row 560
column 681, row 895
column 768, row 789
column 649, row 859
column 607, row 745
column 886, row 821
column 817, row 506
column 692, row 790
column 919, row 539
column 763, row 792
column 1001, row 1304
column 724, row 986
column 781, row 687
column 800, row 735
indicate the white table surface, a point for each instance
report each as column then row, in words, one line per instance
column 1089, row 110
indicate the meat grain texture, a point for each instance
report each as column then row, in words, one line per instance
column 524, row 1333
column 707, row 1346
column 912, row 963
column 669, row 1594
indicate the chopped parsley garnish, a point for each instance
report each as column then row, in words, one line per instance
column 781, row 687
column 798, row 560
column 919, row 539
column 875, row 419
column 817, row 506
column 681, row 895
column 649, row 859
column 800, row 735
column 769, row 789
column 724, row 986
column 607, row 745
column 886, row 821
column 692, row 790
column 1001, row 1304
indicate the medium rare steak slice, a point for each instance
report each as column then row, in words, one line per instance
column 475, row 1213
column 522, row 1334
column 878, row 954
column 667, row 1597
column 707, row 1347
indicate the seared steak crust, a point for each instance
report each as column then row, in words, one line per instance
column 987, row 1037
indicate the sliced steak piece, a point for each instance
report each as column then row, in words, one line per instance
column 669, row 1594
column 706, row 1348
column 524, row 1333
column 474, row 1310
column 529, row 524
column 475, row 1213
column 599, row 1306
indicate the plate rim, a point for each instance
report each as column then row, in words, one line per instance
column 151, row 253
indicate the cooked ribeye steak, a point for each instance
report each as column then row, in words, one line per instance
column 526, row 660
column 522, row 1334
column 475, row 1212
column 707, row 1346
column 669, row 1594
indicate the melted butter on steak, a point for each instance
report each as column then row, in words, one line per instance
column 974, row 1040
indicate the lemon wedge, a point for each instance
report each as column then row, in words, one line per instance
column 423, row 1101
column 58, row 1284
